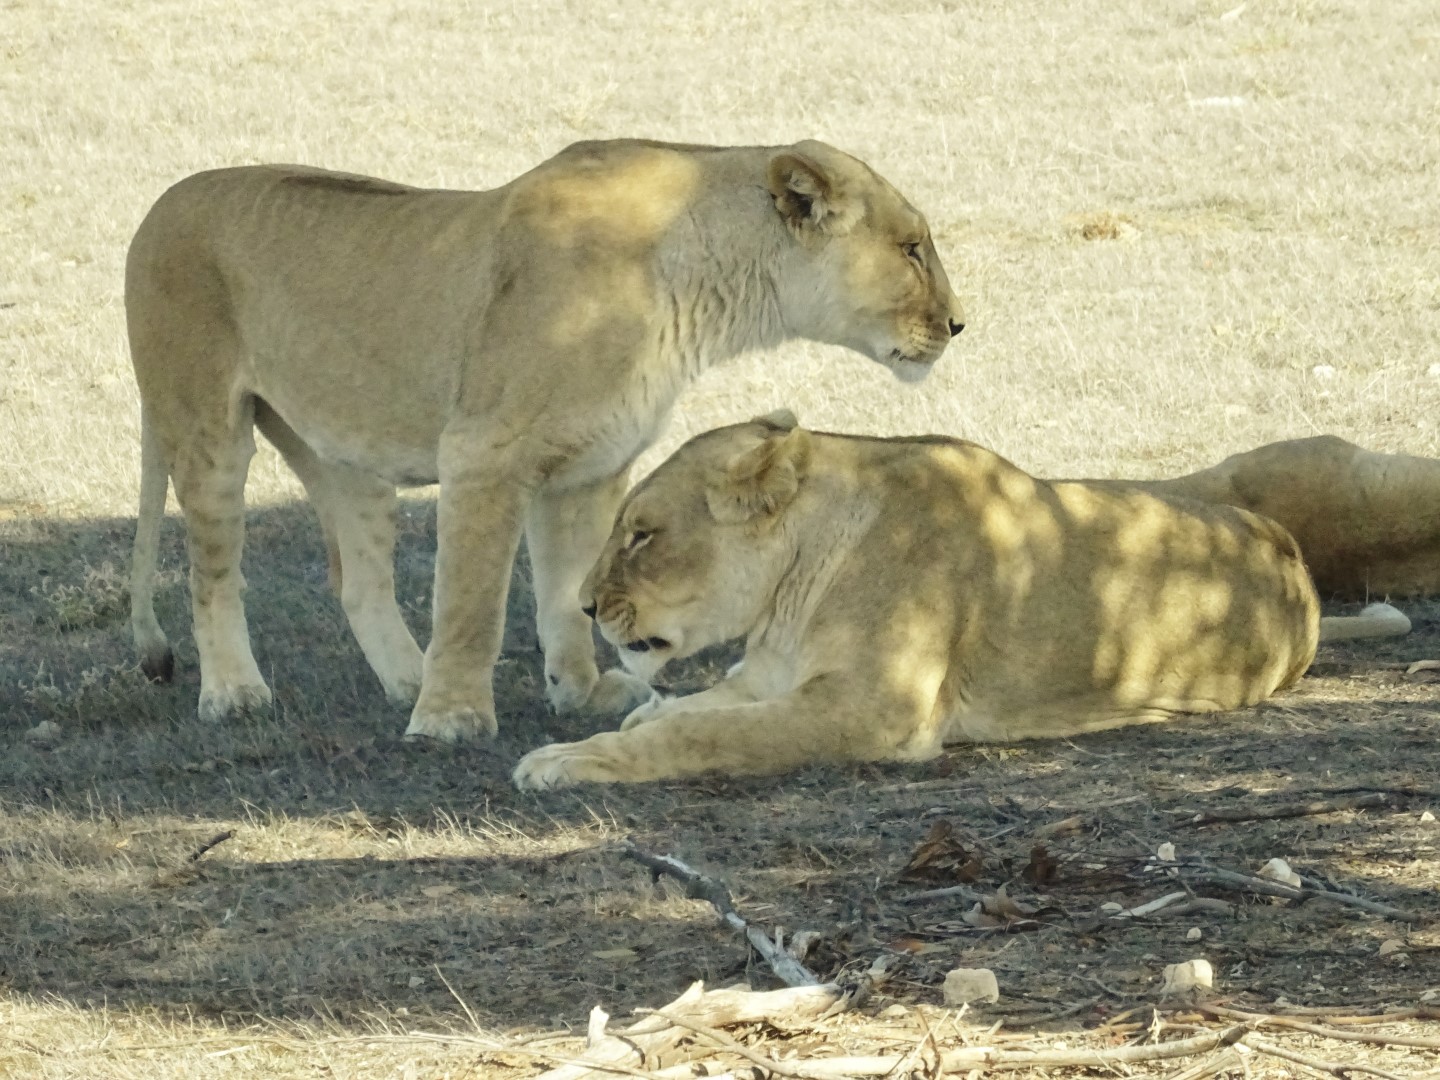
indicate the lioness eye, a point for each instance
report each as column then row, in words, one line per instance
column 912, row 251
column 638, row 539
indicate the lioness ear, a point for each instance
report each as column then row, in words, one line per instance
column 761, row 481
column 809, row 196
column 783, row 419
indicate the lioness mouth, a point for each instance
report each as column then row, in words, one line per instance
column 647, row 644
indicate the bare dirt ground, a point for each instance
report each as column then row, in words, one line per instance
column 1182, row 228
column 371, row 883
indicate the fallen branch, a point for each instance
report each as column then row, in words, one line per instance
column 1229, row 1058
column 699, row 887
column 971, row 1057
column 1342, row 1069
column 1199, row 870
column 1259, row 1019
column 659, row 1033
column 964, row 892
column 1289, row 810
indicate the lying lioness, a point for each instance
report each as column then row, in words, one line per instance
column 1368, row 524
column 521, row 346
column 899, row 594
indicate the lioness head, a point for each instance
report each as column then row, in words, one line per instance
column 695, row 553
column 874, row 281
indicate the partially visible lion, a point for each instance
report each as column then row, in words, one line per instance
column 520, row 346
column 899, row 594
column 1368, row 524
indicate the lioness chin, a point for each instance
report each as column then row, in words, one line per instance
column 899, row 594
column 520, row 346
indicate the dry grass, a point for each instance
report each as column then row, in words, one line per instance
column 1181, row 229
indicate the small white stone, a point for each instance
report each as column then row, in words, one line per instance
column 44, row 732
column 1112, row 908
column 416, row 982
column 1194, row 934
column 1165, row 852
column 1323, row 371
column 964, row 985
column 1279, row 870
column 1194, row 974
column 1427, row 817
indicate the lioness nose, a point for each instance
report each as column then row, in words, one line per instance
column 589, row 610
column 956, row 327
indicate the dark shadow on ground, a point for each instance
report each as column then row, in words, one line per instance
column 362, row 863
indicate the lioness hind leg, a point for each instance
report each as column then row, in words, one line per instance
column 565, row 531
column 209, row 468
column 357, row 514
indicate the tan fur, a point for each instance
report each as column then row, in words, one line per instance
column 521, row 346
column 1368, row 524
column 899, row 594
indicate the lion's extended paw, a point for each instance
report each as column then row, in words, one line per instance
column 618, row 691
column 643, row 714
column 555, row 766
column 233, row 701
column 451, row 726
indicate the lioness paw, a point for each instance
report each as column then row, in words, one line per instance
column 643, row 714
column 618, row 691
column 555, row 766
column 451, row 726
column 233, row 701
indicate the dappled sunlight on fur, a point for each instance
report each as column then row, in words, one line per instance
column 947, row 596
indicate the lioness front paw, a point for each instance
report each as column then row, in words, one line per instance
column 565, row 764
column 618, row 691
column 451, row 725
column 643, row 714
column 232, row 701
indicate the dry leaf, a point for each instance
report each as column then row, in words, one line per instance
column 623, row 956
column 941, row 857
column 1041, row 868
column 1064, row 827
column 435, row 892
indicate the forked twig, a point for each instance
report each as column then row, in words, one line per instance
column 699, row 887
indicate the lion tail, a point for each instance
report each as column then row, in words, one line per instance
column 157, row 660
column 1376, row 621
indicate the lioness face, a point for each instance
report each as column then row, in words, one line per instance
column 684, row 568
column 880, row 288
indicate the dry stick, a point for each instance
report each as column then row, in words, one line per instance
column 1318, row 1029
column 971, row 1057
column 1341, row 1069
column 964, row 892
column 1228, row 1058
column 721, row 1041
column 699, row 887
column 1217, row 876
column 214, row 841
column 1289, row 810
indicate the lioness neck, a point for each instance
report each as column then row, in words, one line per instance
column 718, row 275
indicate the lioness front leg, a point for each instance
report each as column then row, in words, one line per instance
column 729, row 691
column 565, row 529
column 827, row 719
column 479, row 522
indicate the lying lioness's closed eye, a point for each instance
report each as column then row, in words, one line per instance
column 899, row 594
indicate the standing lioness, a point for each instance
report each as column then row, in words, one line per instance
column 521, row 346
column 898, row 594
